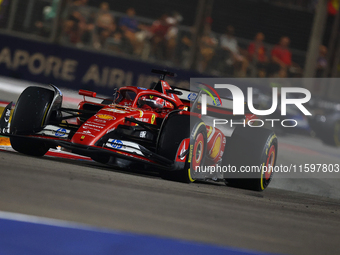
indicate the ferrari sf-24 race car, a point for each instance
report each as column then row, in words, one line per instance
column 160, row 128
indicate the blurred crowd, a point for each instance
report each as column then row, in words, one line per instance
column 102, row 30
column 165, row 40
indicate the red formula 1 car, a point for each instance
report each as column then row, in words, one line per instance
column 160, row 128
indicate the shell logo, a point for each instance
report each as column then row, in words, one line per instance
column 216, row 147
column 104, row 116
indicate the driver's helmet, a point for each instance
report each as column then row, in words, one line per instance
column 151, row 101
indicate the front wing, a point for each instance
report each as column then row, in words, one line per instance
column 134, row 154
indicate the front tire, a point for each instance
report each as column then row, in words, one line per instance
column 29, row 117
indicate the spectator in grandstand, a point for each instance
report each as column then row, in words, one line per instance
column 80, row 6
column 76, row 22
column 87, row 37
column 129, row 22
column 257, row 56
column 172, row 36
column 184, row 44
column 159, row 30
column 232, row 52
column 43, row 27
column 322, row 61
column 105, row 26
column 74, row 27
column 207, row 48
column 130, row 28
column 281, row 58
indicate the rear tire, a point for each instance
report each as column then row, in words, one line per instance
column 176, row 129
column 250, row 146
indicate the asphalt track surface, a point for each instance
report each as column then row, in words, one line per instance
column 273, row 221
column 277, row 220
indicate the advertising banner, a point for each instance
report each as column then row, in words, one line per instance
column 76, row 68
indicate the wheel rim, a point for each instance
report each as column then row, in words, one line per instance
column 270, row 162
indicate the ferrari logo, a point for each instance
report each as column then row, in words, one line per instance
column 153, row 118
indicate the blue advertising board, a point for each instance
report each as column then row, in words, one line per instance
column 76, row 68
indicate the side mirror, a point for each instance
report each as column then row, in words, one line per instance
column 87, row 93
